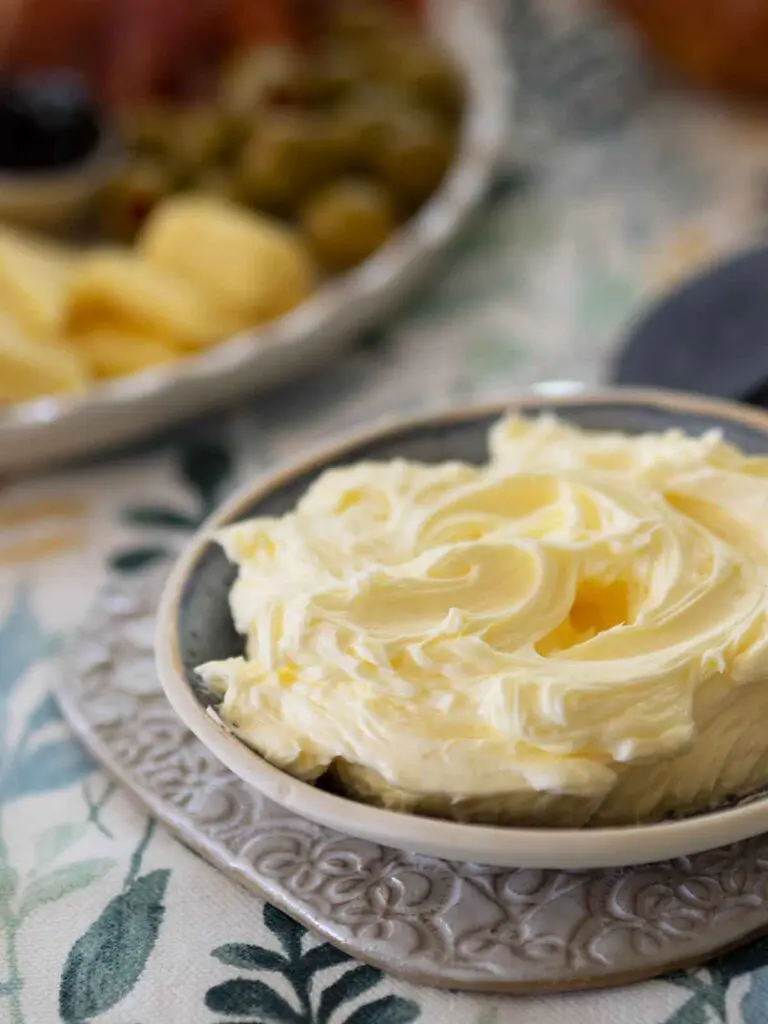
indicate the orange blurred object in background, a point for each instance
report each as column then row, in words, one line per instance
column 130, row 49
column 720, row 44
column 47, row 33
column 124, row 48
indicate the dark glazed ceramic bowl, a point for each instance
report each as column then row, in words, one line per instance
column 194, row 626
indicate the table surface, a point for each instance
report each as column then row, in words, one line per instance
column 617, row 186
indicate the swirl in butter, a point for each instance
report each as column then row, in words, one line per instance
column 575, row 632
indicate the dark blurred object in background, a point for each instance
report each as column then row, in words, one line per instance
column 719, row 44
column 47, row 121
column 707, row 335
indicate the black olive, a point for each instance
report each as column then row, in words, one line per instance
column 47, row 122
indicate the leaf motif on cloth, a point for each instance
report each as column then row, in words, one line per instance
column 157, row 517
column 754, row 1004
column 389, row 1010
column 23, row 642
column 241, row 997
column 707, row 1002
column 135, row 559
column 709, row 986
column 56, row 840
column 697, row 1010
column 62, row 882
column 320, row 957
column 9, row 883
column 47, row 711
column 205, row 466
column 743, row 960
column 349, row 986
column 53, row 765
column 108, row 959
column 250, row 958
column 288, row 932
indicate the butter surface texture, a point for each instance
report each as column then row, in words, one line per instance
column 575, row 632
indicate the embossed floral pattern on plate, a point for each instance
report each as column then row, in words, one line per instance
column 427, row 920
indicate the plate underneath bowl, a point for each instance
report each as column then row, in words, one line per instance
column 431, row 921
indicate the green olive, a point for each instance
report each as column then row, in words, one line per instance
column 262, row 75
column 281, row 160
column 148, row 128
column 344, row 143
column 365, row 116
column 335, row 71
column 127, row 201
column 347, row 221
column 413, row 155
column 202, row 137
column 427, row 74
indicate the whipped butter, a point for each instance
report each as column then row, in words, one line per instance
column 575, row 632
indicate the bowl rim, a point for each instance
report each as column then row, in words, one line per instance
column 555, row 848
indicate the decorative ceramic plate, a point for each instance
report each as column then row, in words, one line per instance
column 194, row 626
column 55, row 427
column 434, row 922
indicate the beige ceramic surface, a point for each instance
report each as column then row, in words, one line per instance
column 56, row 427
column 437, row 922
column 527, row 847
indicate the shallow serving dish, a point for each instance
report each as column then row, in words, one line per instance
column 194, row 626
column 62, row 426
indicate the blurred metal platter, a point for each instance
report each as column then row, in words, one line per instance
column 60, row 427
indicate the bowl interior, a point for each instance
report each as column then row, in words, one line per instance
column 205, row 629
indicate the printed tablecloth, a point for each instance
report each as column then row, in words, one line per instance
column 625, row 184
